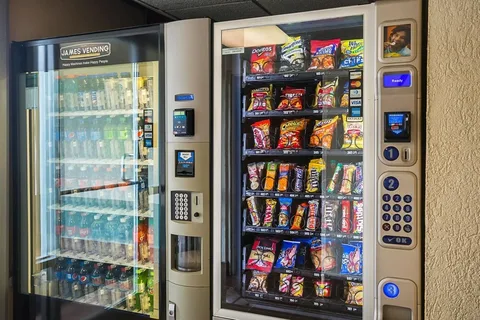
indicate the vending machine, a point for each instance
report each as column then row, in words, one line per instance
column 90, row 155
column 317, row 168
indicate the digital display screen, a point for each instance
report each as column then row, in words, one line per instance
column 395, row 80
column 178, row 113
column 395, row 122
column 184, row 97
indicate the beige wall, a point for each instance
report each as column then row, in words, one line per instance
column 453, row 161
column 34, row 19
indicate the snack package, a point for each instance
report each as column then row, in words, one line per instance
column 292, row 55
column 253, row 176
column 283, row 177
column 298, row 218
column 329, row 215
column 298, row 183
column 315, row 168
column 261, row 99
column 253, row 208
column 261, row 170
column 354, row 293
column 271, row 176
column 270, row 210
column 323, row 255
column 332, row 185
column 285, row 282
column 348, row 171
column 292, row 99
column 302, row 252
column 288, row 254
column 323, row 288
column 352, row 257
column 258, row 282
column 353, row 133
column 323, row 54
column 261, row 134
column 322, row 134
column 346, row 217
column 291, row 134
column 358, row 179
column 262, row 255
column 325, row 95
column 352, row 54
column 263, row 59
column 284, row 214
column 297, row 286
column 357, row 217
column 312, row 218
column 345, row 98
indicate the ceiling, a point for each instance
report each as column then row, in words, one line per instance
column 224, row 10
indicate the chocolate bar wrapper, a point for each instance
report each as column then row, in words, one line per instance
column 253, row 208
column 297, row 286
column 357, row 216
column 312, row 219
column 270, row 210
column 329, row 215
column 285, row 282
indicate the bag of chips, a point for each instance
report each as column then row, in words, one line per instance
column 292, row 99
column 263, row 59
column 351, row 258
column 322, row 134
column 352, row 54
column 284, row 214
column 298, row 218
column 292, row 55
column 291, row 134
column 344, row 101
column 302, row 252
column 323, row 54
column 283, row 177
column 329, row 215
column 315, row 168
column 253, row 176
column 354, row 294
column 261, row 99
column 258, row 282
column 323, row 255
column 323, row 288
column 261, row 134
column 285, row 282
column 271, row 176
column 288, row 254
column 297, row 286
column 270, row 210
column 262, row 255
column 325, row 94
column 254, row 214
column 353, row 133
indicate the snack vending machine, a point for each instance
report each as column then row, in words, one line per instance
column 317, row 165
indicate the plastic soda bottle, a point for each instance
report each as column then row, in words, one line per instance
column 110, row 283
column 97, row 231
column 141, row 238
column 92, row 85
column 71, row 229
column 85, row 233
column 70, row 93
column 151, row 288
column 61, row 91
column 95, row 136
column 141, row 287
column 109, row 138
column 60, row 278
column 120, row 239
column 150, row 237
column 100, row 87
column 109, row 232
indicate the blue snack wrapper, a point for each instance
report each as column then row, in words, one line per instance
column 352, row 258
column 288, row 254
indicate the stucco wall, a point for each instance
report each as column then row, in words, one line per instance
column 453, row 161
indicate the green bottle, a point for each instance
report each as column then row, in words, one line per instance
column 141, row 286
column 151, row 288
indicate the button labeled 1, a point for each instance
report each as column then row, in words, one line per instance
column 391, row 153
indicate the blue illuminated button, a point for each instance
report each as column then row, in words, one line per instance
column 407, row 208
column 407, row 228
column 397, row 208
column 407, row 198
column 397, row 198
column 386, row 207
column 397, row 218
column 407, row 218
column 391, row 183
column 397, row 227
column 386, row 217
column 403, row 241
column 391, row 153
column 386, row 197
column 391, row 290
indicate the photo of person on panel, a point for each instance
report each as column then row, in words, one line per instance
column 397, row 41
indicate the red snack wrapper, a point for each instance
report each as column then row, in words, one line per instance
column 291, row 134
column 323, row 288
column 261, row 134
column 323, row 54
column 263, row 59
column 262, row 255
column 346, row 217
column 292, row 99
column 357, row 216
column 312, row 220
column 269, row 212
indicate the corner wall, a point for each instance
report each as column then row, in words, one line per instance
column 452, row 262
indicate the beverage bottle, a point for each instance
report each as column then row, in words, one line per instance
column 129, row 239
column 97, row 234
column 81, row 93
column 149, row 85
column 61, row 92
column 120, row 88
column 59, row 228
column 142, row 244
column 104, row 297
column 100, row 87
column 95, row 136
column 141, row 92
column 109, row 230
column 84, row 279
column 85, row 233
column 83, row 182
column 151, row 240
column 71, row 183
column 108, row 138
column 110, row 283
column 120, row 240
column 87, row 95
column 141, row 287
column 109, row 181
column 70, row 93
column 71, row 229
column 82, row 138
column 93, row 87
column 60, row 279
column 124, row 283
column 126, row 86
column 151, row 289
column 111, row 90
column 97, row 283
column 68, row 138
column 71, row 275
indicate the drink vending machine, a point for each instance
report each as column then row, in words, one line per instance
column 317, row 209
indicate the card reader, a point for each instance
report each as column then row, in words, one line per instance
column 397, row 127
column 183, row 122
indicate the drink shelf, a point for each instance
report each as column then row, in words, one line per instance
column 295, row 113
column 319, row 274
column 103, row 259
column 316, row 303
column 296, row 76
column 302, row 233
column 301, row 195
column 97, row 113
column 116, row 161
column 108, row 211
column 300, row 152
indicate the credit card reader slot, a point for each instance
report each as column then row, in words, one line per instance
column 397, row 127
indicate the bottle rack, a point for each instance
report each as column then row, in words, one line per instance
column 103, row 259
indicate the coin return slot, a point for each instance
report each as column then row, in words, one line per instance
column 406, row 154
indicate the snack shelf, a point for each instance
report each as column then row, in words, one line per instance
column 87, row 161
column 110, row 211
column 294, row 113
column 301, row 233
column 301, row 195
column 319, row 274
column 296, row 76
column 301, row 152
column 317, row 303
column 103, row 259
column 97, row 113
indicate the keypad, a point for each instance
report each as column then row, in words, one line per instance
column 407, row 228
column 397, row 218
column 181, row 209
column 407, row 218
column 397, row 227
column 386, row 217
column 386, row 226
column 407, row 208
column 386, row 197
column 397, row 208
column 386, row 207
column 407, row 198
column 397, row 198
